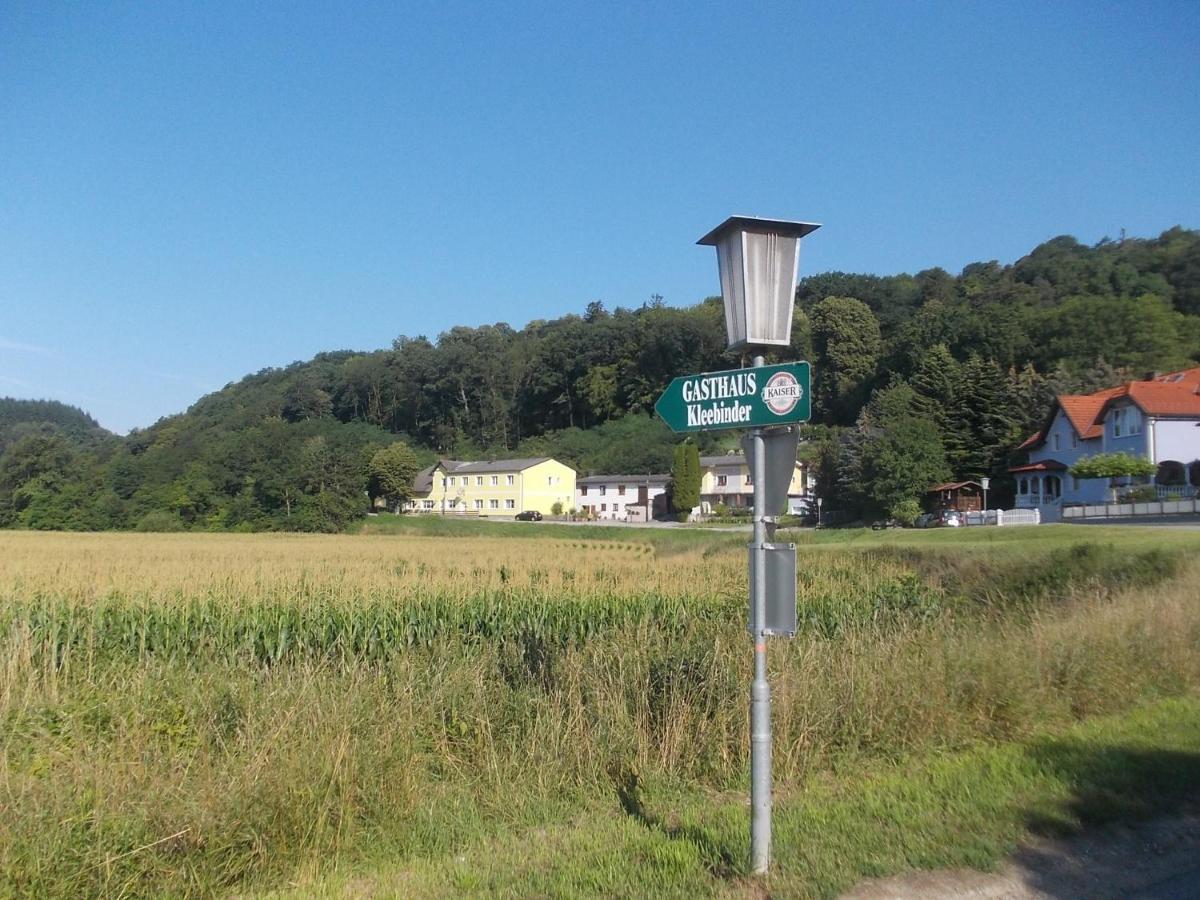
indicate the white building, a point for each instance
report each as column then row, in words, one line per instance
column 622, row 497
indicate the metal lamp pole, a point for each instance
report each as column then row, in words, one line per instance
column 760, row 691
column 757, row 260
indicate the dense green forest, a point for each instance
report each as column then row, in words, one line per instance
column 917, row 378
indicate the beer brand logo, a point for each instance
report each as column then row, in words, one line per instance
column 781, row 393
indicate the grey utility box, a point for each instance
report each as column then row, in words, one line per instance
column 781, row 589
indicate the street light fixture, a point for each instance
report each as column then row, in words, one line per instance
column 757, row 259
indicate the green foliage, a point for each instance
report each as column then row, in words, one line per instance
column 895, row 454
column 685, row 480
column 846, row 341
column 1112, row 465
column 392, row 471
column 905, row 512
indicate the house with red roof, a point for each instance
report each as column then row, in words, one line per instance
column 1157, row 418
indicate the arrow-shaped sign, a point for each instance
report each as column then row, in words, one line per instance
column 739, row 398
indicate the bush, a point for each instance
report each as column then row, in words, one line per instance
column 905, row 512
column 159, row 520
column 1144, row 493
column 556, row 508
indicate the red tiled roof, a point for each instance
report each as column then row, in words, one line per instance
column 1173, row 394
column 1046, row 465
column 1159, row 399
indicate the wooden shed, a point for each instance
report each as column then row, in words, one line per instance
column 963, row 496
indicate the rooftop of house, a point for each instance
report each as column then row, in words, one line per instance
column 423, row 482
column 627, row 479
column 1173, row 395
column 499, row 465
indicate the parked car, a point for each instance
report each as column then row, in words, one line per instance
column 529, row 515
column 950, row 518
column 881, row 524
column 925, row 520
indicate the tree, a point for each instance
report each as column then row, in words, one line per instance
column 900, row 452
column 392, row 471
column 685, row 480
column 847, row 344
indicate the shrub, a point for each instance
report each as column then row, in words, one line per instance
column 905, row 512
column 160, row 520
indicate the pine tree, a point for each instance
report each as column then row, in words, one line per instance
column 685, row 480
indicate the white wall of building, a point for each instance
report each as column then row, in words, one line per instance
column 1177, row 439
column 605, row 500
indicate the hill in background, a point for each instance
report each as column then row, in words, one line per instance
column 960, row 367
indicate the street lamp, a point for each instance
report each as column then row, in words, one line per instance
column 757, row 261
column 985, row 481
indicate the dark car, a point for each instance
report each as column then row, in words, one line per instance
column 529, row 515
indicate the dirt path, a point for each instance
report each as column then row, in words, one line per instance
column 1155, row 859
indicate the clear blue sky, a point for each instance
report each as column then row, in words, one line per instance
column 191, row 192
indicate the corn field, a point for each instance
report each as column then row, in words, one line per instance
column 198, row 714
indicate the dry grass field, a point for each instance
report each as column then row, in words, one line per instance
column 431, row 713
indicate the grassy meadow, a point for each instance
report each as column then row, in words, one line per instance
column 432, row 708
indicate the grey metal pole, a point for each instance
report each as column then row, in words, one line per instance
column 760, row 691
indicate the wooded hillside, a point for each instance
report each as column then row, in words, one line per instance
column 917, row 377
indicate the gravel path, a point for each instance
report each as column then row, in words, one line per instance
column 1154, row 859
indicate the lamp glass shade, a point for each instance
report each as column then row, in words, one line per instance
column 757, row 260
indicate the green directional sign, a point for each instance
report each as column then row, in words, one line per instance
column 741, row 398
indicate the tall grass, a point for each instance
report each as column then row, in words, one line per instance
column 195, row 714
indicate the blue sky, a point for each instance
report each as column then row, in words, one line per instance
column 192, row 192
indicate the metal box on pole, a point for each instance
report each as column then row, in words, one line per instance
column 780, row 606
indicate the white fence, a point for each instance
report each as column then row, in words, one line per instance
column 1118, row 510
column 1003, row 517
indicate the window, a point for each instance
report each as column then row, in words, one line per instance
column 510, row 478
column 493, row 504
column 443, row 482
column 722, row 480
column 429, row 504
column 453, row 502
column 603, row 507
column 749, row 478
column 1126, row 421
column 621, row 489
column 495, row 479
column 1057, row 441
column 1074, row 440
column 1074, row 483
column 450, row 481
column 583, row 490
column 603, row 490
column 510, row 504
column 479, row 504
column 1024, row 485
column 479, row 481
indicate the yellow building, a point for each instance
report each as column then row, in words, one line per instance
column 502, row 487
column 726, row 479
